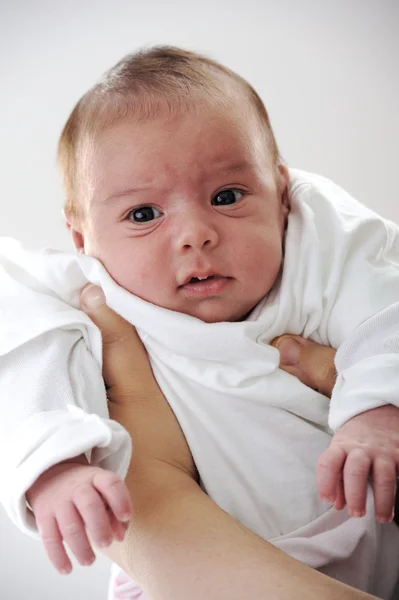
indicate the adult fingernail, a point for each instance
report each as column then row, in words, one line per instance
column 289, row 352
column 92, row 297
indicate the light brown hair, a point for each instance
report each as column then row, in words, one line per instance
column 140, row 86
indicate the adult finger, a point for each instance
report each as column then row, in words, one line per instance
column 125, row 378
column 310, row 362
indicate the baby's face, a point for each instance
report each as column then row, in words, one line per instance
column 187, row 214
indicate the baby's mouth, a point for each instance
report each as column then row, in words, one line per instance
column 198, row 286
column 200, row 279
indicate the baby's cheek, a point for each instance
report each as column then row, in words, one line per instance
column 270, row 256
column 131, row 264
column 268, row 265
column 137, row 277
column 126, row 274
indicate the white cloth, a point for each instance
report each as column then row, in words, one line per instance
column 255, row 432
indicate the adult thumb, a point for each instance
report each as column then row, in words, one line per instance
column 311, row 363
column 124, row 357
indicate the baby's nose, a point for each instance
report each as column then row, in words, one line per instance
column 197, row 234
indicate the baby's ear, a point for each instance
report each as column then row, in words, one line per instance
column 284, row 177
column 67, row 218
column 74, row 227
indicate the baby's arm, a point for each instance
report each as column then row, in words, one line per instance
column 58, row 411
column 56, row 406
column 72, row 499
column 378, row 428
column 367, row 444
column 358, row 254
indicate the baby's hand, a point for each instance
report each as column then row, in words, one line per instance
column 72, row 497
column 366, row 446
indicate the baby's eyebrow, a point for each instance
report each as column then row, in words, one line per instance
column 125, row 192
column 219, row 166
column 242, row 165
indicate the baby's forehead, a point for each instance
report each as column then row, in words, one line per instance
column 237, row 120
column 199, row 143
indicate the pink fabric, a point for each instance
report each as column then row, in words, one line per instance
column 124, row 588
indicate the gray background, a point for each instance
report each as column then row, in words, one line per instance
column 328, row 72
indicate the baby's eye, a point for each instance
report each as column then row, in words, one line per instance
column 143, row 214
column 227, row 197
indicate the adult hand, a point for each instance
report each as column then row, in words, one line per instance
column 312, row 363
column 128, row 381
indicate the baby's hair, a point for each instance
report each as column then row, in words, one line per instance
column 160, row 80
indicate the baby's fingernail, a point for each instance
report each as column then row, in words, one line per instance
column 65, row 570
column 89, row 561
column 384, row 519
column 289, row 352
column 105, row 542
column 126, row 517
column 357, row 513
column 92, row 297
column 327, row 500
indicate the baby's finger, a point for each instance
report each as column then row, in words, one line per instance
column 115, row 493
column 91, row 507
column 356, row 474
column 52, row 541
column 118, row 528
column 340, row 501
column 384, row 488
column 73, row 532
column 329, row 472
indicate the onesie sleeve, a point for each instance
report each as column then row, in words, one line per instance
column 51, row 387
column 368, row 368
column 359, row 265
column 54, row 408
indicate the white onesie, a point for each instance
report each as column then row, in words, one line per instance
column 255, row 432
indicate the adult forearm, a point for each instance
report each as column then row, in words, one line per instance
column 180, row 545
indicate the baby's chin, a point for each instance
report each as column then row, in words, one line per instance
column 210, row 310
column 217, row 314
